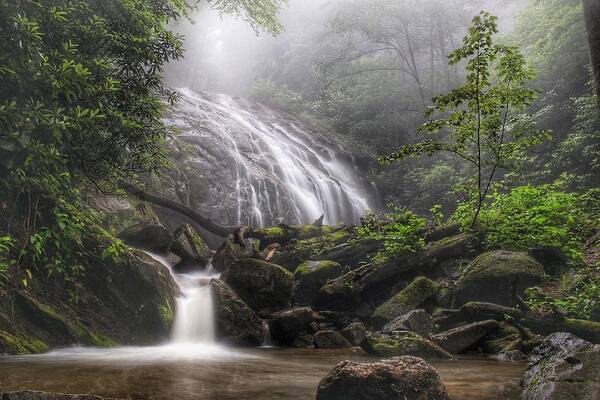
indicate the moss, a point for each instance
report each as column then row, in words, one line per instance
column 411, row 297
column 315, row 267
column 502, row 263
column 166, row 312
column 19, row 345
column 409, row 345
column 271, row 232
column 101, row 340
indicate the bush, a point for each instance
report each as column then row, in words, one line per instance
column 401, row 230
column 530, row 216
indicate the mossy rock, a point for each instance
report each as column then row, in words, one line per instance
column 496, row 275
column 311, row 276
column 408, row 344
column 265, row 287
column 149, row 235
column 412, row 297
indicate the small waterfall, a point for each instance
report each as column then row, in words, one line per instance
column 194, row 311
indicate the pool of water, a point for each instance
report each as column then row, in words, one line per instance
column 211, row 372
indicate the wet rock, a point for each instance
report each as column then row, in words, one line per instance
column 236, row 323
column 410, row 298
column 552, row 259
column 355, row 333
column 191, row 249
column 403, row 344
column 149, row 235
column 406, row 378
column 495, row 276
column 563, row 367
column 265, row 287
column 286, row 326
column 37, row 395
column 373, row 282
column 227, row 254
column 418, row 321
column 330, row 339
column 310, row 276
column 463, row 337
column 511, row 355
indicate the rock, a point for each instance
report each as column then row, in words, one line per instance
column 286, row 326
column 402, row 378
column 373, row 282
column 495, row 276
column 355, row 333
column 552, row 259
column 330, row 339
column 148, row 235
column 403, row 344
column 265, row 287
column 191, row 248
column 227, row 254
column 563, row 367
column 418, row 321
column 410, row 298
column 236, row 323
column 511, row 355
column 463, row 337
column 310, row 276
column 283, row 233
column 37, row 395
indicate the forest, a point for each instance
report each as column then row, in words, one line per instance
column 300, row 199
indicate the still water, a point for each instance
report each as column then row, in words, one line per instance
column 207, row 372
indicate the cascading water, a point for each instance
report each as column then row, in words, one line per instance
column 241, row 162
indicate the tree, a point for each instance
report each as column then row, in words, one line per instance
column 592, row 20
column 480, row 120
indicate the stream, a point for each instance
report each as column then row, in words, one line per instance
column 212, row 372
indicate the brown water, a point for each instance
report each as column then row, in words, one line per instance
column 209, row 372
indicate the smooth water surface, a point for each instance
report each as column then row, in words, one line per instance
column 212, row 372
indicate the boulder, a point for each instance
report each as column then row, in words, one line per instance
column 410, row 298
column 405, row 378
column 552, row 259
column 286, row 326
column 191, row 249
column 497, row 276
column 330, row 339
column 236, row 323
column 463, row 337
column 227, row 254
column 372, row 283
column 265, row 287
column 37, row 395
column 418, row 321
column 563, row 367
column 355, row 333
column 403, row 344
column 310, row 276
column 149, row 235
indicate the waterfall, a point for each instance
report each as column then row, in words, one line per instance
column 246, row 163
column 194, row 310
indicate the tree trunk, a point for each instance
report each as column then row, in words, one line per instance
column 201, row 220
column 592, row 21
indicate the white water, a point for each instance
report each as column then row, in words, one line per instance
column 276, row 170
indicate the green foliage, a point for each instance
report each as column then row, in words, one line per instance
column 529, row 216
column 481, row 120
column 577, row 294
column 401, row 230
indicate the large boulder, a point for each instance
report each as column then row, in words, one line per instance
column 286, row 326
column 263, row 286
column 236, row 323
column 464, row 337
column 191, row 248
column 330, row 339
column 418, row 321
column 403, row 344
column 413, row 296
column 402, row 378
column 375, row 282
column 563, row 367
column 149, row 235
column 496, row 276
column 552, row 259
column 310, row 276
